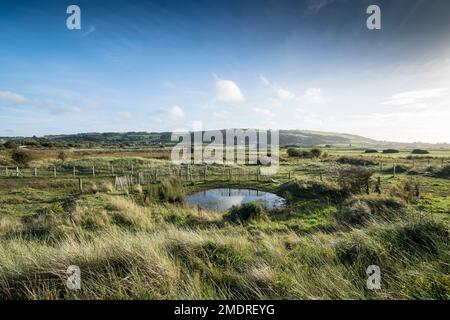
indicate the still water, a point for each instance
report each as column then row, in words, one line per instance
column 224, row 198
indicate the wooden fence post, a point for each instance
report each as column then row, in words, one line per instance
column 204, row 173
column 54, row 172
column 35, row 172
column 93, row 171
column 257, row 174
column 289, row 174
column 6, row 171
column 17, row 171
column 74, row 172
column 80, row 184
column 393, row 169
column 378, row 185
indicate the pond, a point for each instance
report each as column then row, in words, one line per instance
column 224, row 198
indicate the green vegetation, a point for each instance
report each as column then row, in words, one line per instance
column 246, row 212
column 419, row 151
column 146, row 243
column 390, row 151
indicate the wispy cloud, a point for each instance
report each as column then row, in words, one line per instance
column 414, row 97
column 90, row 29
column 315, row 6
column 283, row 94
column 16, row 99
column 314, row 96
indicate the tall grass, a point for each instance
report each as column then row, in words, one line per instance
column 166, row 251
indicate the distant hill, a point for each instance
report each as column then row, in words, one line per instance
column 287, row 138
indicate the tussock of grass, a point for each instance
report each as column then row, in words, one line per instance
column 363, row 209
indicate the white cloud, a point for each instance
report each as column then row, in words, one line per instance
column 176, row 112
column 228, row 91
column 12, row 97
column 413, row 97
column 55, row 106
column 314, row 96
column 124, row 115
column 284, row 94
column 264, row 112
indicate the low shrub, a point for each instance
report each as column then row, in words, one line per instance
column 172, row 190
column 408, row 190
column 354, row 179
column 311, row 190
column 22, row 157
column 371, row 151
column 137, row 189
column 356, row 161
column 420, row 151
column 443, row 172
column 246, row 212
column 390, row 151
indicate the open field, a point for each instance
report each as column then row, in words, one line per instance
column 143, row 242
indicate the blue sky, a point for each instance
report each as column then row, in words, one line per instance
column 160, row 65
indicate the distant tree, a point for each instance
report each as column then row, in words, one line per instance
column 10, row 144
column 391, row 151
column 21, row 157
column 371, row 151
column 297, row 153
column 420, row 151
column 315, row 152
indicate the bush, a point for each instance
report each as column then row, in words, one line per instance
column 354, row 179
column 310, row 190
column 22, row 157
column 315, row 153
column 391, row 151
column 408, row 190
column 399, row 168
column 137, row 189
column 172, row 190
column 10, row 144
column 371, row 151
column 355, row 161
column 420, row 151
column 246, row 212
column 297, row 153
column 443, row 173
column 62, row 156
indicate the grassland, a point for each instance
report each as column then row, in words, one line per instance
column 136, row 244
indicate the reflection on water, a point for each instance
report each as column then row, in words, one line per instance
column 224, row 199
